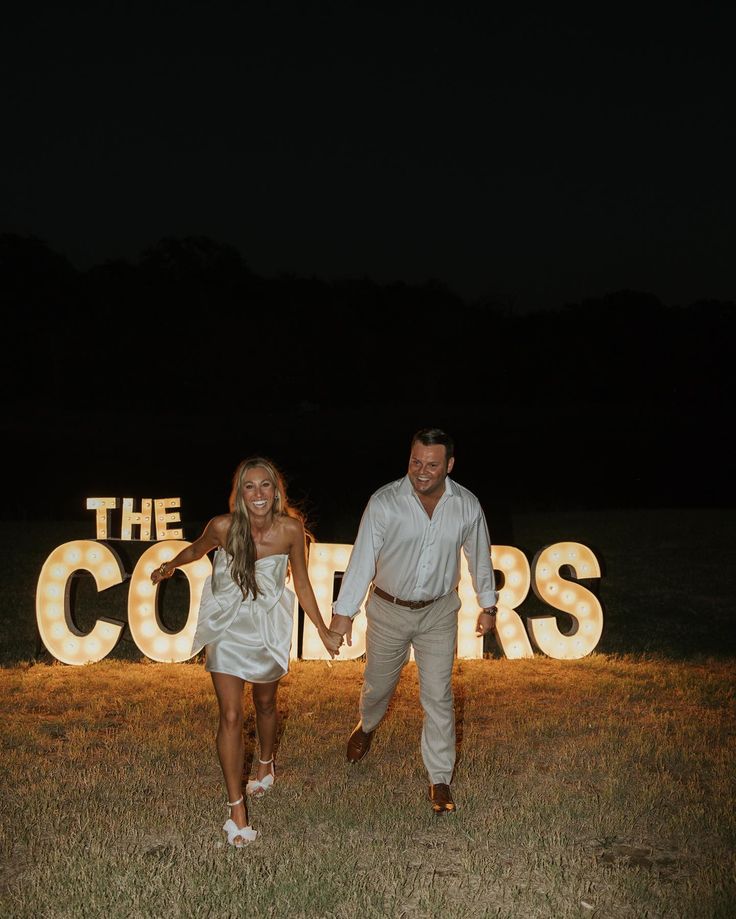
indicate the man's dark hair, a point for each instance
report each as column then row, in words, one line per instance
column 431, row 436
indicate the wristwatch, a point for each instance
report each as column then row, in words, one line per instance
column 491, row 611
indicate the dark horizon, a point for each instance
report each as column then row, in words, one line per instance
column 309, row 231
column 29, row 261
column 612, row 402
column 517, row 155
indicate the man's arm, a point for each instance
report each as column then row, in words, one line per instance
column 477, row 548
column 358, row 574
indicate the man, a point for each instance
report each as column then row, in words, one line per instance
column 408, row 548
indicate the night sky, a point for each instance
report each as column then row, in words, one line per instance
column 523, row 160
column 527, row 154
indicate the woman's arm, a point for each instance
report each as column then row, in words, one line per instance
column 303, row 588
column 213, row 535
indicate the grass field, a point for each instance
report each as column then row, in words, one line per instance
column 601, row 787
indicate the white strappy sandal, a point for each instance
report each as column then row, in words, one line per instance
column 259, row 787
column 236, row 835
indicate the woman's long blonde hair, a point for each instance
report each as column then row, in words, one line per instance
column 240, row 545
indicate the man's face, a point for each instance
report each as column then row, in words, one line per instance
column 428, row 469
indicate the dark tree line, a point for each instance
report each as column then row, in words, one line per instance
column 195, row 301
column 621, row 386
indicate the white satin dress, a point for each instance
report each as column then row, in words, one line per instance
column 247, row 638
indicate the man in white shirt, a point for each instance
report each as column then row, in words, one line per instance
column 407, row 552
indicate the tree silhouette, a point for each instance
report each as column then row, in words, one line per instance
column 617, row 399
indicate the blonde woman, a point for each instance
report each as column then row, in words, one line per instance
column 245, row 620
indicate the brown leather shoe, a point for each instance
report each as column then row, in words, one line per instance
column 441, row 798
column 359, row 743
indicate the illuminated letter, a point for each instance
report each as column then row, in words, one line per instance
column 569, row 597
column 103, row 506
column 132, row 518
column 162, row 518
column 510, row 633
column 53, row 609
column 325, row 560
column 143, row 619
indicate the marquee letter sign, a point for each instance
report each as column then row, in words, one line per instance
column 580, row 604
column 554, row 575
column 53, row 609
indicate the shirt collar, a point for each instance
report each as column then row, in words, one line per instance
column 406, row 488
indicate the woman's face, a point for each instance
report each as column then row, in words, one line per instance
column 258, row 493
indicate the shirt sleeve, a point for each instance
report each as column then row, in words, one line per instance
column 362, row 564
column 477, row 548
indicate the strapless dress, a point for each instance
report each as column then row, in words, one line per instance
column 245, row 637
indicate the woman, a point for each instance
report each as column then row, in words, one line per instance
column 245, row 619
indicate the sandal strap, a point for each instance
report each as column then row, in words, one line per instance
column 265, row 762
column 233, row 803
column 245, row 833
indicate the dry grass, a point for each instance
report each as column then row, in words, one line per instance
column 602, row 787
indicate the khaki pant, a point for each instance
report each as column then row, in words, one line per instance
column 391, row 632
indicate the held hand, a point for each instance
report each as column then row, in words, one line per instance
column 486, row 623
column 332, row 641
column 343, row 625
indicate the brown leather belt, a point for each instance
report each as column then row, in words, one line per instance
column 411, row 604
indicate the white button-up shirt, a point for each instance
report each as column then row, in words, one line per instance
column 413, row 556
